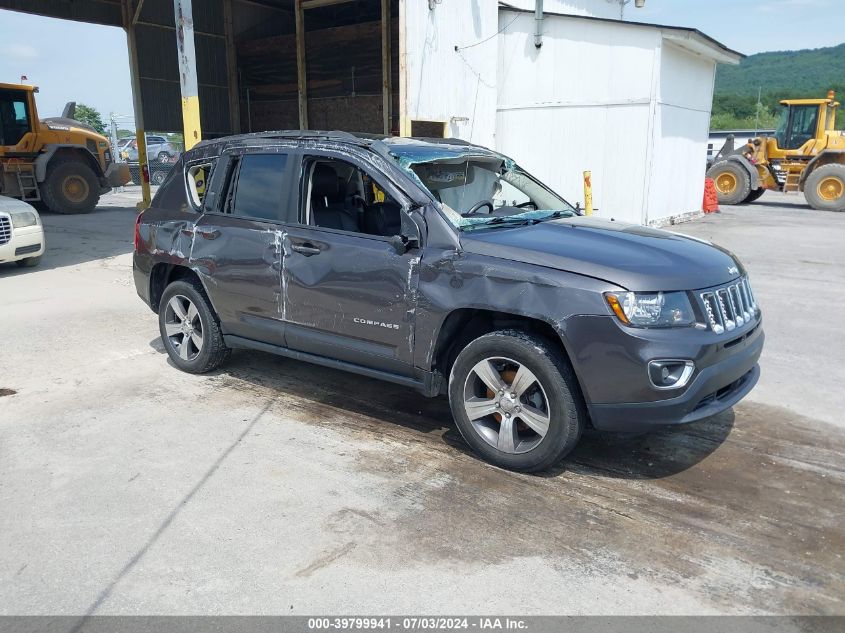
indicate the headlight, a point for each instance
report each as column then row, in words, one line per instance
column 651, row 309
column 21, row 219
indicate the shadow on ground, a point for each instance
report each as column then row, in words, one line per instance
column 76, row 239
column 361, row 404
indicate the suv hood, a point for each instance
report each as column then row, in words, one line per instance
column 632, row 256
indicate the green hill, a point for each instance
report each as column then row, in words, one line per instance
column 780, row 75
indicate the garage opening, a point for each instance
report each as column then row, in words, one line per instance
column 342, row 53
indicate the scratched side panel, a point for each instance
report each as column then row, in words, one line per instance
column 239, row 262
column 355, row 299
column 450, row 280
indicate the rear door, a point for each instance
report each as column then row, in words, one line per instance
column 237, row 242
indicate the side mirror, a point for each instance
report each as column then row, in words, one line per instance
column 408, row 238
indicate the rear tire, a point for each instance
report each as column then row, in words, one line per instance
column 189, row 328
column 733, row 184
column 825, row 188
column 536, row 414
column 71, row 186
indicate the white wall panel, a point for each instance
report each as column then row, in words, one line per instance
column 448, row 85
column 580, row 62
column 594, row 8
column 558, row 144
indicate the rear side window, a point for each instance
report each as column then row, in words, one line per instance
column 197, row 176
column 259, row 188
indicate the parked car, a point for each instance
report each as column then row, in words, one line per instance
column 158, row 148
column 21, row 233
column 447, row 268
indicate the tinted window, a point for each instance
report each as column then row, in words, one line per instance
column 14, row 118
column 258, row 193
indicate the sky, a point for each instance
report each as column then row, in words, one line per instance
column 71, row 61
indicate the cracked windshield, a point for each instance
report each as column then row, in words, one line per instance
column 483, row 192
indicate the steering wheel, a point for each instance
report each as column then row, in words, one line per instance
column 478, row 205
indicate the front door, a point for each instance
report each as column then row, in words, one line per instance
column 349, row 294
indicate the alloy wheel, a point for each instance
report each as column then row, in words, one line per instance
column 507, row 405
column 183, row 327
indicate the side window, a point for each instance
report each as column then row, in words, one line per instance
column 14, row 116
column 342, row 196
column 197, row 177
column 803, row 125
column 257, row 187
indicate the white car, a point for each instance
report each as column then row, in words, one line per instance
column 21, row 233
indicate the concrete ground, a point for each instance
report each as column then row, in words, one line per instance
column 271, row 486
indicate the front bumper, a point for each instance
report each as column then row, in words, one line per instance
column 24, row 243
column 620, row 398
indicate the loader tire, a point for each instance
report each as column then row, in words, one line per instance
column 71, row 186
column 755, row 193
column 825, row 188
column 733, row 184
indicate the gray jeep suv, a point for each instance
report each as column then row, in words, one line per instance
column 445, row 267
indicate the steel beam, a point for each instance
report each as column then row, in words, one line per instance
column 188, row 72
column 385, row 65
column 137, row 105
column 232, row 69
column 301, row 80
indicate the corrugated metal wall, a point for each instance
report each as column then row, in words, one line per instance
column 159, row 71
column 157, row 64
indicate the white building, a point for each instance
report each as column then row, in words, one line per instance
column 628, row 101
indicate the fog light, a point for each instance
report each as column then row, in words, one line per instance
column 670, row 374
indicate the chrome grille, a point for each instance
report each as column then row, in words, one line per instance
column 729, row 307
column 5, row 229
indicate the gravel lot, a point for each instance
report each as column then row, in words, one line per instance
column 129, row 487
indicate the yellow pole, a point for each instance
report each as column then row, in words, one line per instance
column 588, row 193
column 188, row 72
column 138, row 109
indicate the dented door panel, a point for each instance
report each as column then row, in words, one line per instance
column 239, row 261
column 351, row 297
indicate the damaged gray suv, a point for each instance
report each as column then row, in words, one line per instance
column 445, row 267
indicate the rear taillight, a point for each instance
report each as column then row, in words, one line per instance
column 137, row 240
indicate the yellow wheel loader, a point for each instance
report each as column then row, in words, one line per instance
column 806, row 154
column 59, row 162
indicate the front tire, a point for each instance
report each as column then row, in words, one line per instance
column 516, row 401
column 189, row 328
column 733, row 184
column 71, row 186
column 825, row 188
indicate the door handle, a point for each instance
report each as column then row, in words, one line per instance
column 306, row 249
